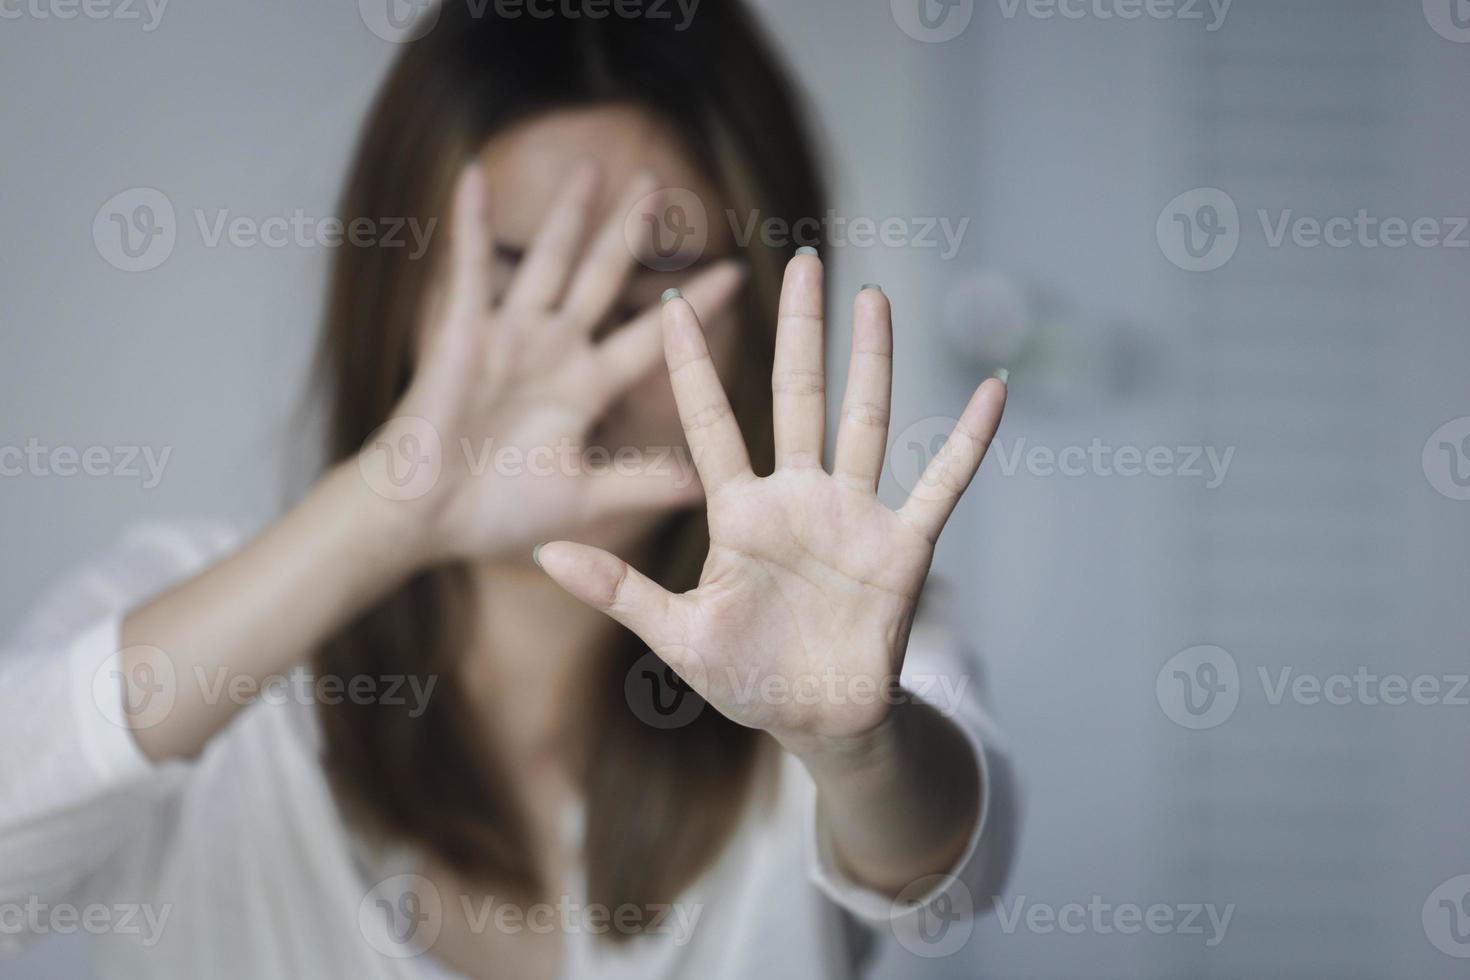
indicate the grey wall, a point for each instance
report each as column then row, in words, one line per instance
column 1327, row 547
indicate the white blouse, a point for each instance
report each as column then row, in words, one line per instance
column 239, row 864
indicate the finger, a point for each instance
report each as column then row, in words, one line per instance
column 452, row 336
column 798, row 383
column 543, row 274
column 950, row 472
column 607, row 583
column 862, row 434
column 632, row 351
column 641, row 482
column 709, row 424
column 471, row 285
column 604, row 270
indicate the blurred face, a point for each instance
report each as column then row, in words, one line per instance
column 527, row 167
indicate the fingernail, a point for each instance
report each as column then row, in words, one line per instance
column 871, row 285
column 671, row 293
column 536, row 555
column 806, row 250
column 1003, row 375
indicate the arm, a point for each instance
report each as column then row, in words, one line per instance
column 262, row 610
column 359, row 533
column 812, row 585
column 900, row 801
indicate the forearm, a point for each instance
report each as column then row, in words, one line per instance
column 900, row 802
column 262, row 610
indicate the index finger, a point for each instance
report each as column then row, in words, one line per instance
column 709, row 424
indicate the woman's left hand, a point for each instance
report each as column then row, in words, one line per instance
column 802, row 614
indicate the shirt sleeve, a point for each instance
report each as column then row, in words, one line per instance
column 938, row 671
column 74, row 786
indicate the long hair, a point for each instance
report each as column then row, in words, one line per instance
column 660, row 804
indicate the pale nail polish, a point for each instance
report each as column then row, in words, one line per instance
column 536, row 555
column 806, row 250
column 671, row 293
column 871, row 285
column 1003, row 375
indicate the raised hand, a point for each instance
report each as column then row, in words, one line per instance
column 811, row 583
column 514, row 368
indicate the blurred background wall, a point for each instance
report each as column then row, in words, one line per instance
column 1134, row 177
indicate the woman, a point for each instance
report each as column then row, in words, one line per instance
column 486, row 775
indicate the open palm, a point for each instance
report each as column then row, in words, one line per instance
column 803, row 609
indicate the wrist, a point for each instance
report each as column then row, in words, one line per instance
column 874, row 746
column 392, row 534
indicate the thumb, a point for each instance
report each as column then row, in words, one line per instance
column 607, row 583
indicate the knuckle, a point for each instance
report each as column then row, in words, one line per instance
column 794, row 381
column 708, row 416
column 868, row 414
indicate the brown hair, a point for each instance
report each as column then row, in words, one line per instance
column 428, row 781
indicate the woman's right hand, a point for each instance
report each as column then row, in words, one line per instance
column 484, row 451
